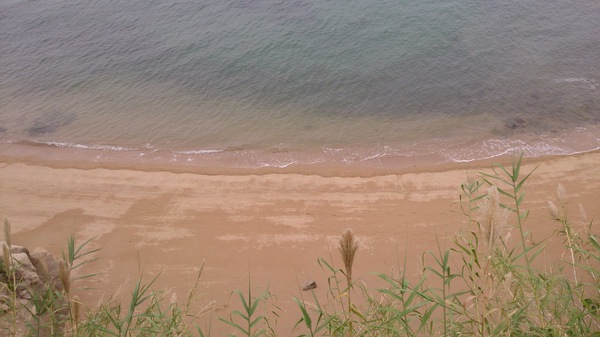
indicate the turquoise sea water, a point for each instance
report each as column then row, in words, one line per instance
column 279, row 83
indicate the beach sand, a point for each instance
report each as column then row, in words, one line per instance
column 269, row 227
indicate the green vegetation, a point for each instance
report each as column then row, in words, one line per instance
column 483, row 285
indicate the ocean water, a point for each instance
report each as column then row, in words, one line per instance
column 255, row 83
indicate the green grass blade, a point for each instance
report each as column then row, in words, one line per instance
column 256, row 321
column 253, row 306
column 233, row 324
column 517, row 168
column 520, row 199
column 501, row 167
column 503, row 192
column 494, row 177
column 241, row 315
column 305, row 315
column 243, row 300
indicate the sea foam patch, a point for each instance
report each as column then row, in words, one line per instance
column 89, row 146
column 591, row 83
column 565, row 142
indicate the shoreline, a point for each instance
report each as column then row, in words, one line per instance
column 367, row 159
column 270, row 225
column 89, row 159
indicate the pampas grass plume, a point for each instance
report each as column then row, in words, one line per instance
column 348, row 248
column 7, row 257
column 65, row 275
column 6, row 230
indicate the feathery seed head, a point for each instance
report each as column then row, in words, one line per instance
column 494, row 217
column 64, row 273
column 561, row 193
column 6, row 229
column 582, row 213
column 44, row 272
column 348, row 247
column 7, row 258
column 553, row 210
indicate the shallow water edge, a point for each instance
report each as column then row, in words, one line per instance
column 342, row 162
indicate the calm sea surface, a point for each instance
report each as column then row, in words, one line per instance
column 278, row 83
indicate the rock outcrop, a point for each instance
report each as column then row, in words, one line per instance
column 30, row 289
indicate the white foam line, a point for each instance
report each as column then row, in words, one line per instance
column 481, row 158
column 88, row 146
column 554, row 153
column 208, row 151
column 378, row 155
column 279, row 165
column 585, row 151
column 591, row 82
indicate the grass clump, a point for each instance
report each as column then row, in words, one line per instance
column 247, row 321
column 484, row 284
column 146, row 315
column 49, row 309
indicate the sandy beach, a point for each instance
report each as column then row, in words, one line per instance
column 270, row 227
